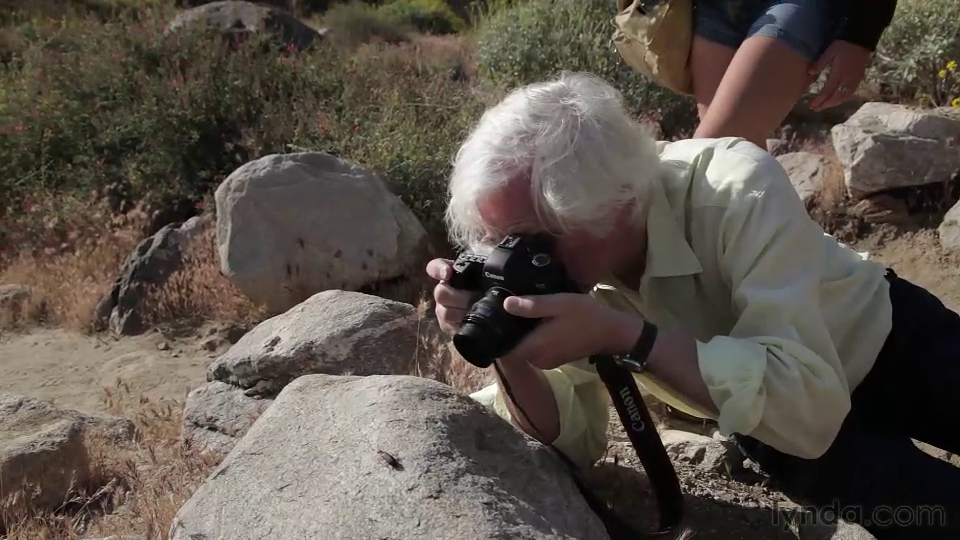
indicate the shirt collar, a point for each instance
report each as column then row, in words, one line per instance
column 668, row 252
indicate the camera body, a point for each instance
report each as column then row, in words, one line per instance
column 520, row 265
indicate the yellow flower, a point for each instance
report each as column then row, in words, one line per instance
column 942, row 74
column 955, row 103
column 952, row 66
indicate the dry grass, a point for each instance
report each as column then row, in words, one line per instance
column 68, row 276
column 68, row 256
column 437, row 359
column 135, row 489
column 198, row 292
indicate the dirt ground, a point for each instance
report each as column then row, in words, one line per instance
column 75, row 370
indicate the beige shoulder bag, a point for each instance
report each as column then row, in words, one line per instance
column 654, row 38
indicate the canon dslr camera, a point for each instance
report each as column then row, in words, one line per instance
column 519, row 265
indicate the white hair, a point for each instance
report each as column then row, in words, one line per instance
column 572, row 140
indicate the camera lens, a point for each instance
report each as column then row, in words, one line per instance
column 487, row 331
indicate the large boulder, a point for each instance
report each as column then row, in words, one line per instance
column 238, row 20
column 292, row 225
column 218, row 414
column 44, row 449
column 333, row 332
column 949, row 229
column 807, row 171
column 385, row 457
column 147, row 269
column 885, row 146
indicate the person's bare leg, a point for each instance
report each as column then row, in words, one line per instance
column 762, row 83
column 708, row 62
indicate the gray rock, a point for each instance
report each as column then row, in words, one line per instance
column 949, row 229
column 44, row 448
column 332, row 332
column 218, row 414
column 807, row 172
column 235, row 19
column 150, row 265
column 292, row 225
column 706, row 453
column 885, row 146
column 777, row 147
column 12, row 298
column 385, row 457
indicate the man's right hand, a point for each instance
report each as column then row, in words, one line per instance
column 452, row 304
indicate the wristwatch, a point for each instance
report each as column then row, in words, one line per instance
column 636, row 359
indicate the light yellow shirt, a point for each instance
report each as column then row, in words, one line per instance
column 788, row 321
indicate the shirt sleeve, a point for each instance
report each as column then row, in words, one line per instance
column 777, row 376
column 582, row 405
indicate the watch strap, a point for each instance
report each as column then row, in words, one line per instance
column 636, row 358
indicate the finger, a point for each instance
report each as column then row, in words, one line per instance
column 535, row 307
column 450, row 319
column 440, row 269
column 445, row 295
column 533, row 348
column 829, row 87
column 837, row 98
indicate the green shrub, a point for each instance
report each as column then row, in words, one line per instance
column 523, row 42
column 426, row 16
column 123, row 113
column 922, row 38
column 355, row 22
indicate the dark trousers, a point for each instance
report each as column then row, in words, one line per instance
column 873, row 474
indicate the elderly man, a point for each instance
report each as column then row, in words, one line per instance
column 821, row 363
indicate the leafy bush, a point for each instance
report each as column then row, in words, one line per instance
column 427, row 16
column 523, row 42
column 354, row 23
column 96, row 111
column 922, row 38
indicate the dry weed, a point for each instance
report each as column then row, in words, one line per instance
column 199, row 292
column 68, row 259
column 437, row 359
column 135, row 489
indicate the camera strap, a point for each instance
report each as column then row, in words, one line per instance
column 646, row 442
column 644, row 438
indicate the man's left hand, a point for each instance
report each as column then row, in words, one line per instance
column 848, row 62
column 576, row 326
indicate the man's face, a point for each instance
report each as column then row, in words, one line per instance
column 588, row 259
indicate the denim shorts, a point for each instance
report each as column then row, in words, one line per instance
column 808, row 26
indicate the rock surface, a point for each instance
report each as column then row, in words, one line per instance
column 949, row 229
column 150, row 265
column 807, row 172
column 385, row 457
column 217, row 414
column 885, row 146
column 290, row 226
column 333, row 332
column 237, row 19
column 45, row 447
